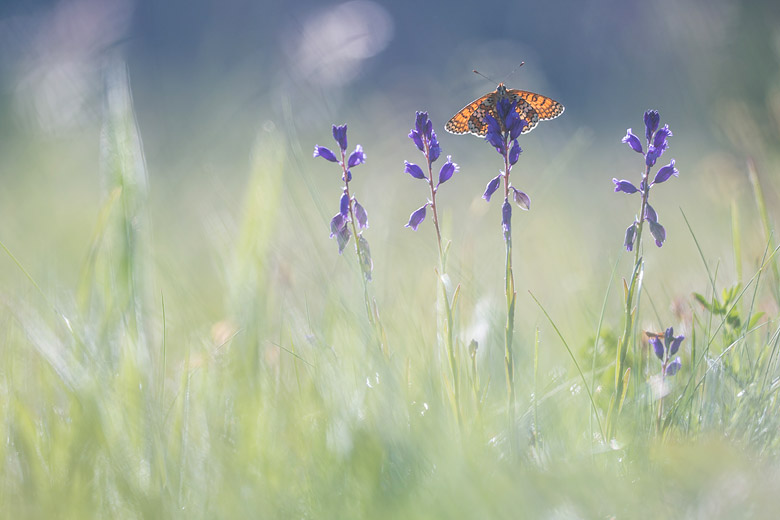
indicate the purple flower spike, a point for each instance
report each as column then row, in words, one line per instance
column 665, row 172
column 658, row 347
column 652, row 119
column 674, row 367
column 506, row 217
column 658, row 231
column 340, row 135
column 624, row 186
column 344, row 205
column 361, row 215
column 514, row 152
column 650, row 214
column 416, row 217
column 325, row 153
column 491, row 188
column 633, row 141
column 494, row 136
column 414, row 170
column 447, row 170
column 356, row 157
column 630, row 235
column 521, row 199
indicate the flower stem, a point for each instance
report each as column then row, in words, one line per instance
column 510, row 298
column 627, row 337
column 448, row 311
column 372, row 317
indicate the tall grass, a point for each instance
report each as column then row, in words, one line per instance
column 282, row 408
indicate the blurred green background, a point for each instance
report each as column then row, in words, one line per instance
column 226, row 224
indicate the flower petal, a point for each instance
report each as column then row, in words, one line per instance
column 415, row 136
column 652, row 118
column 630, row 234
column 491, row 187
column 416, row 217
column 665, row 172
column 356, row 157
column 521, row 199
column 658, row 231
column 514, row 152
column 340, row 135
column 650, row 214
column 624, row 186
column 344, row 204
column 447, row 170
column 658, row 347
column 414, row 170
column 632, row 141
column 674, row 367
column 325, row 153
column 361, row 215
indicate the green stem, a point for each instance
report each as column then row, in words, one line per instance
column 510, row 298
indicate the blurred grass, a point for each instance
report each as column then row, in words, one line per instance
column 201, row 350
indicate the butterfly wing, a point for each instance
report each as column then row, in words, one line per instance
column 534, row 107
column 471, row 118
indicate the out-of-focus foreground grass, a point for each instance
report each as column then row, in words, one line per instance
column 186, row 350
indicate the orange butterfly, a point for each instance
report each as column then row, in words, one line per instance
column 531, row 107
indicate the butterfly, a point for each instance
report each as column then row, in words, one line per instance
column 531, row 107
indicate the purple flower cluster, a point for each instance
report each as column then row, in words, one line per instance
column 349, row 207
column 665, row 349
column 657, row 143
column 502, row 133
column 426, row 141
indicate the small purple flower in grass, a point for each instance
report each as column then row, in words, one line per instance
column 657, row 143
column 416, row 218
column 349, row 208
column 491, row 187
column 425, row 140
column 665, row 346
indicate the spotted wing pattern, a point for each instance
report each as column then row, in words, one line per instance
column 530, row 106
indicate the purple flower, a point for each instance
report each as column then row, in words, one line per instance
column 416, row 218
column 665, row 172
column 506, row 217
column 633, row 141
column 650, row 214
column 435, row 149
column 415, row 136
column 356, row 157
column 521, row 199
column 344, row 204
column 447, row 170
column 337, row 223
column 514, row 152
column 652, row 119
column 630, row 234
column 658, row 347
column 414, row 170
column 342, row 237
column 658, row 231
column 325, row 153
column 491, row 187
column 361, row 215
column 659, row 141
column 340, row 135
column 624, row 186
column 494, row 135
column 421, row 121
column 674, row 367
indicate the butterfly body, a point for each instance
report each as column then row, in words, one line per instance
column 531, row 107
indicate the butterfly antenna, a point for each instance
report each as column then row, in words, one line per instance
column 515, row 70
column 478, row 73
